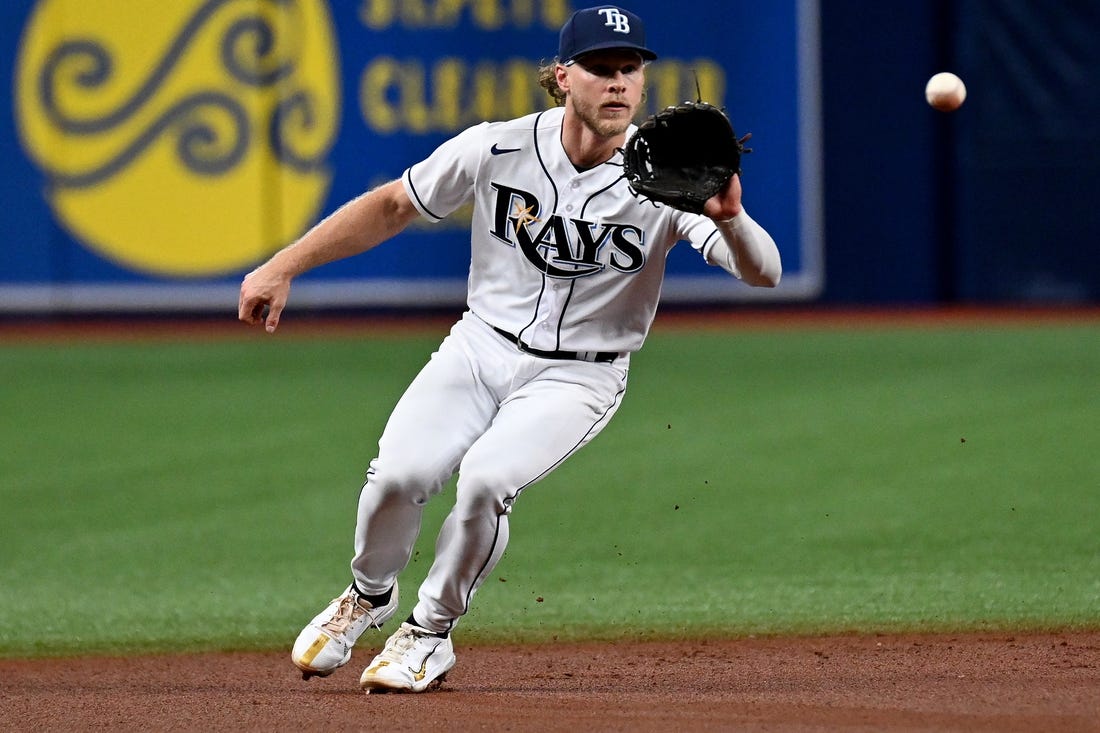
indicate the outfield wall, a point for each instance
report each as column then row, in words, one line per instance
column 154, row 152
column 995, row 203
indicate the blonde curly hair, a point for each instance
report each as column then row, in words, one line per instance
column 548, row 80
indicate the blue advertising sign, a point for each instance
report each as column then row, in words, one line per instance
column 155, row 152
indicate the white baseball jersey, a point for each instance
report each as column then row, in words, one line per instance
column 563, row 259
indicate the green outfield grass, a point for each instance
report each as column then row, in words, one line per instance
column 159, row 496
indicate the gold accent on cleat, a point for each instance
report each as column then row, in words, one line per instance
column 315, row 649
column 377, row 667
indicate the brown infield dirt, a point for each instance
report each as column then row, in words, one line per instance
column 993, row 681
column 974, row 682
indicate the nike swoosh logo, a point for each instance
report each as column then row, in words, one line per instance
column 501, row 151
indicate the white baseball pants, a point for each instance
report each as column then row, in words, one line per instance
column 503, row 420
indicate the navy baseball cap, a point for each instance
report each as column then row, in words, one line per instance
column 604, row 26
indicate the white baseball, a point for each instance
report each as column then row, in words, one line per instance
column 945, row 91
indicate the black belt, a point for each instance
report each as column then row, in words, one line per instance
column 603, row 357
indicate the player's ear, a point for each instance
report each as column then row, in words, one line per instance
column 561, row 73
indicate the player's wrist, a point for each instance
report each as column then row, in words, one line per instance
column 731, row 223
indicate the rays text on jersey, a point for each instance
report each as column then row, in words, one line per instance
column 564, row 247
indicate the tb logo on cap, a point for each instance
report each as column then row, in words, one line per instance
column 615, row 20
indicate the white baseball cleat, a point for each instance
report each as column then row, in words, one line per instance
column 414, row 660
column 325, row 644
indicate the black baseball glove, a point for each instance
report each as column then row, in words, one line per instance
column 683, row 155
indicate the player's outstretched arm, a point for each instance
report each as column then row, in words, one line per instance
column 354, row 228
column 747, row 250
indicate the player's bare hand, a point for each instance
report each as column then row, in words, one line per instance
column 725, row 204
column 263, row 296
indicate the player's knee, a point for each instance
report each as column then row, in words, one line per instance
column 482, row 495
column 413, row 482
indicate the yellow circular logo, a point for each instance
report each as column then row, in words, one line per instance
column 183, row 138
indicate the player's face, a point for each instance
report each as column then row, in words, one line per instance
column 605, row 89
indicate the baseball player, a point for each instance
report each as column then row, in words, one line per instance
column 565, row 274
